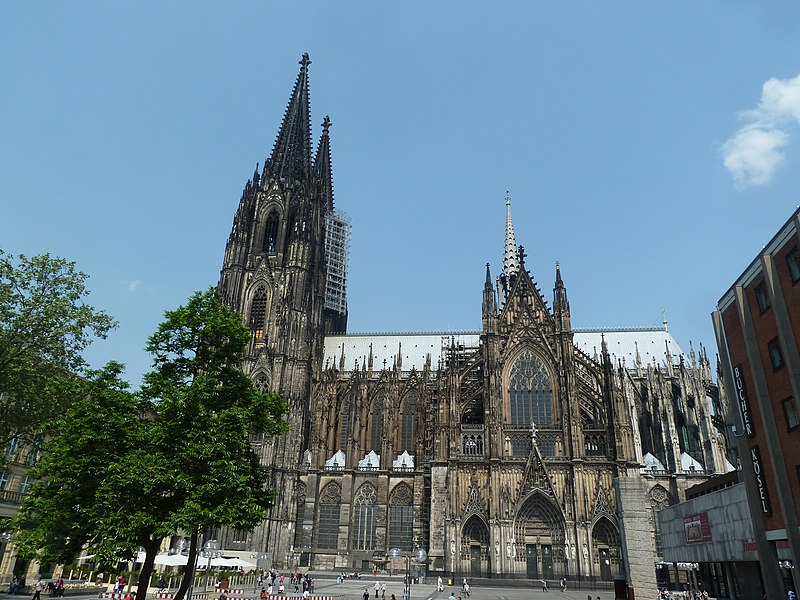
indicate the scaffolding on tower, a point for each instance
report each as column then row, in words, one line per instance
column 337, row 255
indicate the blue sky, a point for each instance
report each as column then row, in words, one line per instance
column 651, row 148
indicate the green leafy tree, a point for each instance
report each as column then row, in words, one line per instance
column 208, row 412
column 45, row 324
column 91, row 484
column 123, row 470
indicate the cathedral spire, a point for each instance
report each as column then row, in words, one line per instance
column 510, row 253
column 291, row 155
column 560, row 302
column 323, row 173
column 489, row 304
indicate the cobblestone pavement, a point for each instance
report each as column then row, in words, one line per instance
column 354, row 590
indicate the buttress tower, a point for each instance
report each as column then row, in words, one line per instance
column 275, row 274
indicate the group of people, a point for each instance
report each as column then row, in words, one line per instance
column 380, row 588
column 55, row 588
column 562, row 583
column 267, row 582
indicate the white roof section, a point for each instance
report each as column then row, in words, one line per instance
column 688, row 463
column 652, row 344
column 415, row 348
column 651, row 463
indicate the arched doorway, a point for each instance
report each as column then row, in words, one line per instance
column 605, row 539
column 539, row 528
column 475, row 542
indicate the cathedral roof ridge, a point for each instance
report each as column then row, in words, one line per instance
column 404, row 333
column 617, row 329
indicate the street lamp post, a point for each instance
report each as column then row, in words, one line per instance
column 210, row 550
column 420, row 557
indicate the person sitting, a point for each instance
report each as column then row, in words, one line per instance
column 13, row 585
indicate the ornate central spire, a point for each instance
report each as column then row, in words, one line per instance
column 291, row 155
column 510, row 252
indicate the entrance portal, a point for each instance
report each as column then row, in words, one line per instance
column 532, row 558
column 475, row 561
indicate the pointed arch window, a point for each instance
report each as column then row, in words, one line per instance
column 330, row 501
column 344, row 422
column 258, row 313
column 271, row 233
column 408, row 421
column 261, row 381
column 364, row 518
column 401, row 518
column 376, row 424
column 530, row 392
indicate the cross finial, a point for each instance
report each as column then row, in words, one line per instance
column 326, row 124
column 533, row 431
column 305, row 61
column 508, row 198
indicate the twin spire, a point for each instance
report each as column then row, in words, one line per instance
column 291, row 154
column 511, row 260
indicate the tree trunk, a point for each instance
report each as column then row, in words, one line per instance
column 188, row 575
column 151, row 547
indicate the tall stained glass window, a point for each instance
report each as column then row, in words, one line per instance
column 401, row 518
column 258, row 313
column 330, row 501
column 364, row 518
column 530, row 392
column 407, row 417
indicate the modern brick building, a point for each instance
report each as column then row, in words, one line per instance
column 757, row 324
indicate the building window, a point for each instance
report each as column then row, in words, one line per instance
column 401, row 518
column 344, row 420
column 258, row 313
column 329, row 508
column 790, row 411
column 775, row 355
column 530, row 392
column 762, row 297
column 24, row 484
column 364, row 518
column 793, row 260
column 408, row 413
column 376, row 433
column 3, row 480
column 11, row 449
column 271, row 233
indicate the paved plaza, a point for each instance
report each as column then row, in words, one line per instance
column 353, row 589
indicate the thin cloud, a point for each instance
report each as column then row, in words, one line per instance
column 133, row 286
column 754, row 154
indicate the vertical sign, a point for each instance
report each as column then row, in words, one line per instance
column 761, row 483
column 744, row 403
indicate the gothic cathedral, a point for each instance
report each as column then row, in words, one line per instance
column 525, row 449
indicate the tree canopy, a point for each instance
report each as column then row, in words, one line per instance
column 123, row 470
column 45, row 324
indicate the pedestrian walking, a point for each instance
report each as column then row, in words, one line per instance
column 563, row 584
column 377, row 588
column 544, row 585
column 37, row 590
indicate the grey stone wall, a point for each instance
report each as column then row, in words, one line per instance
column 729, row 521
column 637, row 535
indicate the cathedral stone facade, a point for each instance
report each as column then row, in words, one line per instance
column 525, row 449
